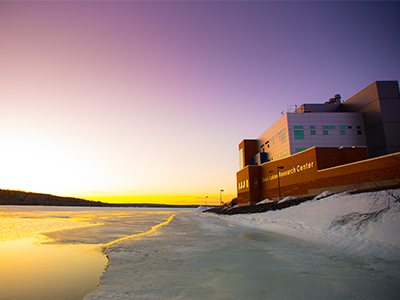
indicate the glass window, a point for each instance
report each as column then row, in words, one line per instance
column 328, row 127
column 283, row 137
column 358, row 127
column 300, row 149
column 342, row 132
column 299, row 134
column 241, row 158
column 298, row 127
column 282, row 153
column 345, row 127
column 359, row 132
column 325, row 132
column 255, row 182
column 312, row 132
column 312, row 127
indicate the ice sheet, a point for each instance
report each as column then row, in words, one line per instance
column 202, row 256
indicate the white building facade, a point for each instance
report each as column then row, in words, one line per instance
column 295, row 132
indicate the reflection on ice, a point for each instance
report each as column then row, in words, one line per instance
column 153, row 229
column 16, row 228
column 32, row 271
column 55, row 253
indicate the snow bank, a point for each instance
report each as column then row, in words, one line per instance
column 200, row 208
column 324, row 195
column 265, row 201
column 357, row 223
column 286, row 199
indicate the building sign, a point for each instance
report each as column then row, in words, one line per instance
column 294, row 170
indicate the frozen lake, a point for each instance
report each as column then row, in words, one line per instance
column 67, row 260
column 198, row 256
column 194, row 256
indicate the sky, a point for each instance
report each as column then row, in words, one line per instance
column 147, row 101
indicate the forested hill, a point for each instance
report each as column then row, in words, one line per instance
column 8, row 197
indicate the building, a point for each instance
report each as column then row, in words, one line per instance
column 318, row 137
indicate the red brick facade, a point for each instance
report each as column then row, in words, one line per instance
column 315, row 170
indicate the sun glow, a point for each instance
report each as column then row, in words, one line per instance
column 38, row 164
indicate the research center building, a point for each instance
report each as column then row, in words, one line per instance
column 333, row 145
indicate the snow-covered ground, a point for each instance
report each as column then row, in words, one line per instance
column 343, row 220
column 207, row 256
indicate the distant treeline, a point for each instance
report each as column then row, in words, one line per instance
column 9, row 197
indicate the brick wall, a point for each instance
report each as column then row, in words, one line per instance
column 309, row 172
column 249, row 150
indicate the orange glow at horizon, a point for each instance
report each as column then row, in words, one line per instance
column 163, row 199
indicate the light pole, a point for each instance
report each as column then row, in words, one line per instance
column 206, row 200
column 279, row 184
column 220, row 197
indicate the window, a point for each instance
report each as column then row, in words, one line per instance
column 282, row 154
column 280, row 132
column 241, row 158
column 345, row 127
column 255, row 182
column 312, row 127
column 299, row 134
column 300, row 149
column 298, row 127
column 359, row 132
column 358, row 127
column 283, row 137
column 328, row 127
column 312, row 132
column 342, row 132
column 325, row 132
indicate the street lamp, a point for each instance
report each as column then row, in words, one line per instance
column 206, row 200
column 220, row 197
column 279, row 184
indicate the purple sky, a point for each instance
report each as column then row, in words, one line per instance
column 149, row 100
